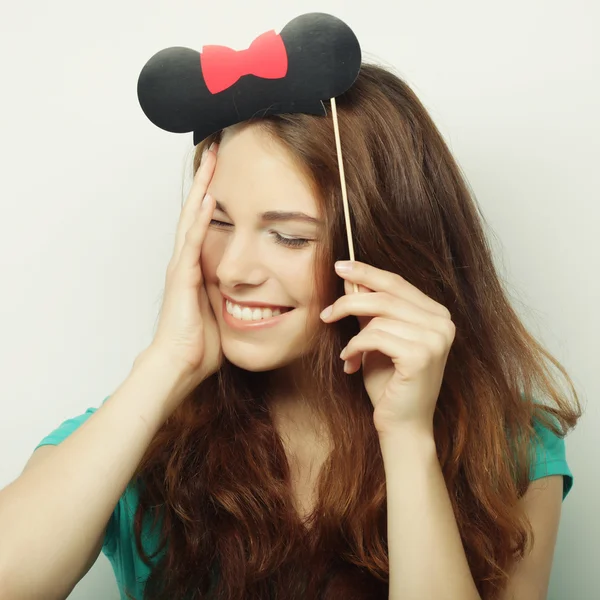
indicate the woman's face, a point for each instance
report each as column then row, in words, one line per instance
column 259, row 252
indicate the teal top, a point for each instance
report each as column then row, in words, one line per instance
column 119, row 542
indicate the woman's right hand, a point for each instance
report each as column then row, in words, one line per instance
column 187, row 331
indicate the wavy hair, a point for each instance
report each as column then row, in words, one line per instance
column 216, row 480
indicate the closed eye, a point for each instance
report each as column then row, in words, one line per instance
column 220, row 223
column 289, row 242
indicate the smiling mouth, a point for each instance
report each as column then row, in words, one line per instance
column 254, row 313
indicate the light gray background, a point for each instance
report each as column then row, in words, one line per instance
column 91, row 190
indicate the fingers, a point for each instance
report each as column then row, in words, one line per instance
column 384, row 342
column 191, row 208
column 375, row 304
column 385, row 281
column 192, row 245
column 349, row 288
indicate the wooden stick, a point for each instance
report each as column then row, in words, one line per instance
column 338, row 145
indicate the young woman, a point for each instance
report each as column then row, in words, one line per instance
column 243, row 458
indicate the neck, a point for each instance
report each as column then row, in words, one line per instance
column 289, row 390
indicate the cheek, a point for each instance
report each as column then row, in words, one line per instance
column 210, row 257
column 301, row 278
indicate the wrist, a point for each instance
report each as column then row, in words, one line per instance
column 410, row 443
column 416, row 431
column 162, row 360
column 171, row 381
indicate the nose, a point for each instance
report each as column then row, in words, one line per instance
column 241, row 262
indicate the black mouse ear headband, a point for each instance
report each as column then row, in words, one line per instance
column 316, row 57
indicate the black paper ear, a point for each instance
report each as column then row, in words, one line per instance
column 315, row 57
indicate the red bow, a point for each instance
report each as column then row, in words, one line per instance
column 222, row 67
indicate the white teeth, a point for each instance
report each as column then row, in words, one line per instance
column 237, row 311
column 245, row 313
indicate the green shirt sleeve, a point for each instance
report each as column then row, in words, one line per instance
column 550, row 458
column 56, row 437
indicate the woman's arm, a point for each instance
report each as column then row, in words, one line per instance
column 542, row 504
column 426, row 556
column 53, row 516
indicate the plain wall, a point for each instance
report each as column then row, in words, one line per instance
column 91, row 192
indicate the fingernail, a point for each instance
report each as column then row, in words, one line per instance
column 205, row 152
column 326, row 312
column 205, row 200
column 343, row 266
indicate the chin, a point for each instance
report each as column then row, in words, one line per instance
column 258, row 360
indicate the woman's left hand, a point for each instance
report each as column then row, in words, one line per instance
column 403, row 345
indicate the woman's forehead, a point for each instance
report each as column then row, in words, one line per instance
column 254, row 170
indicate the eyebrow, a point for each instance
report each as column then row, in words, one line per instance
column 273, row 216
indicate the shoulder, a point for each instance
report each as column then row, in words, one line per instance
column 549, row 457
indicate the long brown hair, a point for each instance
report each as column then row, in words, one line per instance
column 216, row 477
